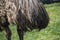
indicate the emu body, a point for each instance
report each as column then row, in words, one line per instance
column 24, row 13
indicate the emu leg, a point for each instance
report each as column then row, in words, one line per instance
column 8, row 33
column 20, row 33
column 1, row 29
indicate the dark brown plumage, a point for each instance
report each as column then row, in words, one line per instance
column 26, row 14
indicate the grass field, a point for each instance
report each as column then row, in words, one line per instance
column 52, row 32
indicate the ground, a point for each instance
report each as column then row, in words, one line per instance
column 52, row 32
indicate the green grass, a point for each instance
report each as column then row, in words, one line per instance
column 52, row 32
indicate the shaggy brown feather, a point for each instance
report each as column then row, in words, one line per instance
column 26, row 14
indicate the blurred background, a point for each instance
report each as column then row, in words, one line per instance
column 49, row 1
column 52, row 32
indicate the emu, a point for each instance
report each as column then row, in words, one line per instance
column 25, row 14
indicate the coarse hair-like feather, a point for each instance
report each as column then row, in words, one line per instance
column 26, row 14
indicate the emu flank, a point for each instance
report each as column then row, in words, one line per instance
column 26, row 14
